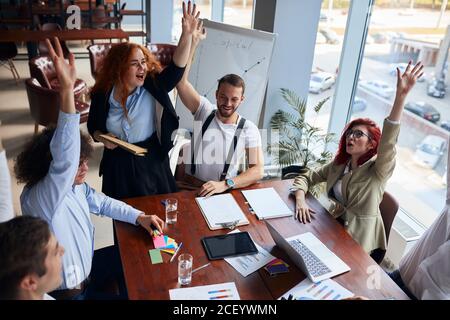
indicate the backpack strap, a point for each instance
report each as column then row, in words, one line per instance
column 195, row 146
column 237, row 133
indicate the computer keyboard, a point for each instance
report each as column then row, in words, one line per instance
column 315, row 267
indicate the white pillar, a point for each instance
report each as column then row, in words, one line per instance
column 349, row 65
column 296, row 24
column 161, row 17
column 217, row 7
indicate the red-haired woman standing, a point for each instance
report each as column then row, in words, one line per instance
column 356, row 178
column 130, row 101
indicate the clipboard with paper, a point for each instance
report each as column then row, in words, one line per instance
column 267, row 203
column 136, row 150
column 221, row 211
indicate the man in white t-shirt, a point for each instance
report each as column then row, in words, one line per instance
column 30, row 259
column 223, row 140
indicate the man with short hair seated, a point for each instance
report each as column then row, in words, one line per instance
column 229, row 141
column 30, row 259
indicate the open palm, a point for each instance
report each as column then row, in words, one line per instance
column 65, row 71
column 408, row 79
column 189, row 21
column 199, row 33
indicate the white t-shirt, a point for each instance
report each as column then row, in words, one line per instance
column 216, row 144
column 6, row 207
column 47, row 297
column 425, row 269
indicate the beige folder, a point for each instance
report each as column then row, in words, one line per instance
column 136, row 150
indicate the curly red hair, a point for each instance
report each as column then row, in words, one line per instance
column 374, row 131
column 113, row 68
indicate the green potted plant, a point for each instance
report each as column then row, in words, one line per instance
column 299, row 141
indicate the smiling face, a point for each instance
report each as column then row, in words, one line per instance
column 228, row 98
column 137, row 70
column 358, row 141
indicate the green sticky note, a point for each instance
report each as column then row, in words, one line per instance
column 155, row 256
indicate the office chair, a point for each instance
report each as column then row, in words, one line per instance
column 43, row 51
column 8, row 50
column 43, row 70
column 163, row 52
column 45, row 105
column 388, row 208
column 97, row 52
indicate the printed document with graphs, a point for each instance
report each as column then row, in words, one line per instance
column 220, row 211
column 267, row 203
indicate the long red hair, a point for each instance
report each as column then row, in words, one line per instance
column 374, row 131
column 114, row 66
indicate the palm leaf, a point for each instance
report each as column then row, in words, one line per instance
column 320, row 104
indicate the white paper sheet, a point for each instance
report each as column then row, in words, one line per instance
column 267, row 203
column 324, row 290
column 221, row 291
column 248, row 264
column 221, row 209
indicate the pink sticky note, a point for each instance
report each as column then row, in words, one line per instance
column 159, row 242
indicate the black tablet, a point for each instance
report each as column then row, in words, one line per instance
column 229, row 245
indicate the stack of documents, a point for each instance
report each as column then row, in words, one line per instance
column 248, row 264
column 324, row 290
column 266, row 203
column 221, row 211
column 221, row 291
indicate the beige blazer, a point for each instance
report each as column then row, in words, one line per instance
column 362, row 190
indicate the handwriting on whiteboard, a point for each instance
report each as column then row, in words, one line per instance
column 240, row 44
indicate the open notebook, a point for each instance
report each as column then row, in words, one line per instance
column 221, row 211
column 136, row 150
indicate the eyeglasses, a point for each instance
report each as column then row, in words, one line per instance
column 356, row 134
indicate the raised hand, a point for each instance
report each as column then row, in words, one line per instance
column 408, row 79
column 199, row 33
column 66, row 72
column 189, row 21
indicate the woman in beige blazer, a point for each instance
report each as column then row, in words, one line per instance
column 356, row 178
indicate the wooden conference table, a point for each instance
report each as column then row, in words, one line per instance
column 147, row 281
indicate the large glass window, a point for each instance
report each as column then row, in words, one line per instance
column 238, row 13
column 401, row 31
column 327, row 53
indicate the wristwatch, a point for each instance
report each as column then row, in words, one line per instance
column 230, row 183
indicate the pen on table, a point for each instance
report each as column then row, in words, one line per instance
column 199, row 268
column 228, row 224
column 176, row 252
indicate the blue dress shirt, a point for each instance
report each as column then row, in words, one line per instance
column 66, row 207
column 140, row 123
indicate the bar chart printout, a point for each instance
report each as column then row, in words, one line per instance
column 221, row 291
column 324, row 290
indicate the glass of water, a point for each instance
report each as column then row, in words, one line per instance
column 171, row 210
column 185, row 269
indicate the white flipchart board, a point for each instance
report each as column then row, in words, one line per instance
column 230, row 49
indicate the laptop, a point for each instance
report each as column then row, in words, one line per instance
column 310, row 255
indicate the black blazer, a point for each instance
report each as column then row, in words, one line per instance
column 159, row 87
